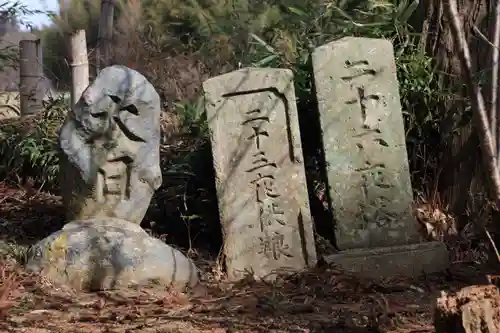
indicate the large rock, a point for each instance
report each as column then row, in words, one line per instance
column 106, row 253
column 110, row 144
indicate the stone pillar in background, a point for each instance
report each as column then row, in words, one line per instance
column 365, row 152
column 31, row 80
column 260, row 179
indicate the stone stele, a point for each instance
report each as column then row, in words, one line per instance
column 260, row 180
column 367, row 164
column 110, row 169
column 110, row 253
column 364, row 143
column 110, row 144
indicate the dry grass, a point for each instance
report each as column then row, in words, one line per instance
column 27, row 215
column 176, row 75
column 467, row 244
column 321, row 300
column 318, row 301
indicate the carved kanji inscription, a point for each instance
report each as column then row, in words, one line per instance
column 364, row 143
column 261, row 186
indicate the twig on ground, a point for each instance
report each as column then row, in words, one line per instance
column 492, row 244
column 8, row 285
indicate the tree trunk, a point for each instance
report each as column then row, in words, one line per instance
column 104, row 49
column 462, row 182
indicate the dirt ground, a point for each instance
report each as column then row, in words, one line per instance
column 322, row 300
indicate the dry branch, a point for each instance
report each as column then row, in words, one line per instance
column 495, row 92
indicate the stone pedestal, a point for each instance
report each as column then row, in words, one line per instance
column 110, row 253
column 386, row 262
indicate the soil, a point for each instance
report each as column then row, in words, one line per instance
column 320, row 300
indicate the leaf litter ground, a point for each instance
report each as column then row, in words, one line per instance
column 321, row 300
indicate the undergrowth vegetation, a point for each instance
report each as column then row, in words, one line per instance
column 178, row 44
column 29, row 146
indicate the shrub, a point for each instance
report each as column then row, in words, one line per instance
column 28, row 146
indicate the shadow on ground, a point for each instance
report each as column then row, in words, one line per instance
column 27, row 215
column 326, row 300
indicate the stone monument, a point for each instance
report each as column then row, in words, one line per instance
column 110, row 161
column 367, row 165
column 110, row 168
column 260, row 179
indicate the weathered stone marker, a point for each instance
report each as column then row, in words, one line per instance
column 110, row 168
column 364, row 144
column 110, row 161
column 260, row 179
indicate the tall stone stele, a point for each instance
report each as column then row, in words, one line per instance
column 366, row 160
column 110, row 168
column 259, row 169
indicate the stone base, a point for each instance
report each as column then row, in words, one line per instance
column 386, row 262
column 110, row 253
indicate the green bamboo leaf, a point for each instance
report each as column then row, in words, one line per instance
column 265, row 61
column 342, row 13
column 263, row 43
column 408, row 11
column 297, row 11
column 403, row 4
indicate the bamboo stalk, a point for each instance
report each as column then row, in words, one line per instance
column 79, row 65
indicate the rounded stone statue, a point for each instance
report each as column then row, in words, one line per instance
column 110, row 168
column 110, row 163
